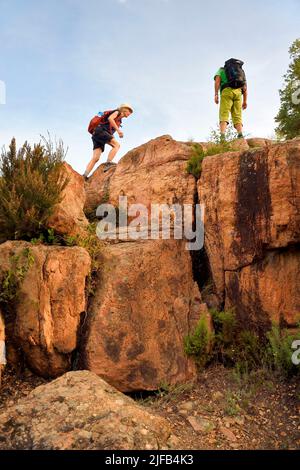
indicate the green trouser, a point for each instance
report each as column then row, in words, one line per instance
column 231, row 103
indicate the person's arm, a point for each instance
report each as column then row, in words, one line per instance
column 113, row 123
column 217, row 88
column 245, row 96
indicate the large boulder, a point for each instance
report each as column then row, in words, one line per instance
column 252, row 205
column 44, row 321
column 79, row 411
column 145, row 303
column 146, row 300
column 154, row 173
column 68, row 217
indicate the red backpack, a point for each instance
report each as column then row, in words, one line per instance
column 97, row 120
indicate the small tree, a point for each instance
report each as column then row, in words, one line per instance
column 31, row 183
column 288, row 117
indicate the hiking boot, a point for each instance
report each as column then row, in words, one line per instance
column 108, row 165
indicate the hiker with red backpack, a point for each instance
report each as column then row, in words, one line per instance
column 102, row 127
column 231, row 81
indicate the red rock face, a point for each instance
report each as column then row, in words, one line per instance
column 267, row 291
column 50, row 300
column 154, row 173
column 145, row 303
column 252, row 205
column 146, row 300
column 68, row 217
column 97, row 188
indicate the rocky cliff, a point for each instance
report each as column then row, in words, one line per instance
column 149, row 294
column 252, row 230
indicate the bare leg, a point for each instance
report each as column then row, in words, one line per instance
column 115, row 147
column 223, row 127
column 95, row 159
column 239, row 128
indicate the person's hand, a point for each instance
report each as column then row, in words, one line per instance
column 245, row 105
column 121, row 135
column 217, row 99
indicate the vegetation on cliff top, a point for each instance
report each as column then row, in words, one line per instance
column 30, row 185
column 214, row 146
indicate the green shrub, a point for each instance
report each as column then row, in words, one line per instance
column 232, row 407
column 194, row 164
column 250, row 352
column 230, row 135
column 94, row 247
column 30, row 186
column 215, row 145
column 215, row 149
column 48, row 237
column 198, row 344
column 12, row 279
column 225, row 325
column 242, row 349
column 280, row 351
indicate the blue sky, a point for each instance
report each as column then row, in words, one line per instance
column 64, row 60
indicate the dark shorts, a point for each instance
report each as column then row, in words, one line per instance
column 100, row 138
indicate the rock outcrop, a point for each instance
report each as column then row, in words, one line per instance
column 145, row 303
column 68, row 217
column 154, row 173
column 146, row 300
column 266, row 291
column 79, row 411
column 97, row 188
column 252, row 228
column 145, row 297
column 256, row 142
column 45, row 317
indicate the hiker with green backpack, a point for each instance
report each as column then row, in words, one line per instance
column 231, row 82
column 102, row 127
